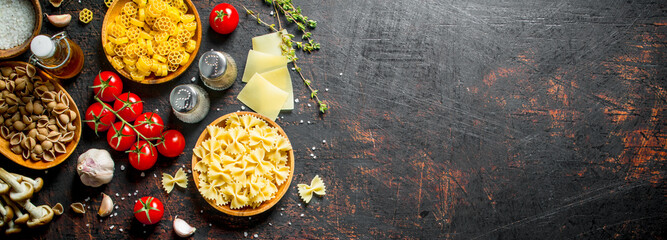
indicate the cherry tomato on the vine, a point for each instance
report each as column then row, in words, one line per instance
column 148, row 210
column 128, row 106
column 142, row 155
column 149, row 124
column 223, row 18
column 172, row 144
column 121, row 136
column 107, row 86
column 99, row 118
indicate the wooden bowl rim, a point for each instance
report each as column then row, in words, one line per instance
column 152, row 79
column 20, row 49
column 71, row 146
column 282, row 189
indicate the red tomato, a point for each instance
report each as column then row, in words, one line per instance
column 149, row 124
column 128, row 106
column 148, row 210
column 107, row 86
column 121, row 136
column 99, row 118
column 223, row 18
column 143, row 155
column 172, row 144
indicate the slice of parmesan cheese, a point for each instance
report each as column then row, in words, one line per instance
column 269, row 43
column 259, row 62
column 280, row 78
column 263, row 97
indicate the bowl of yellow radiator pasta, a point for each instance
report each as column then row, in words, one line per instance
column 151, row 41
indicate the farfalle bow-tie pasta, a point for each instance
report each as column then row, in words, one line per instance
column 242, row 164
column 316, row 186
column 180, row 179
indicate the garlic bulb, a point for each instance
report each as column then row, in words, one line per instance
column 95, row 167
column 182, row 228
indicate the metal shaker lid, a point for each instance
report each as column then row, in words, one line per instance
column 183, row 98
column 212, row 64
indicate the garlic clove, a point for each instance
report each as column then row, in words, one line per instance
column 106, row 207
column 182, row 228
column 61, row 20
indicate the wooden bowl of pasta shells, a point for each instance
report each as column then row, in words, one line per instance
column 127, row 60
column 266, row 164
column 41, row 125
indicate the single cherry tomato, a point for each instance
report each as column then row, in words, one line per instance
column 121, row 136
column 143, row 155
column 99, row 118
column 107, row 86
column 128, row 106
column 149, row 124
column 172, row 144
column 148, row 210
column 223, row 18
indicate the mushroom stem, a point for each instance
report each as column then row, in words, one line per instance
column 6, row 213
column 12, row 228
column 39, row 215
column 21, row 218
column 4, row 188
column 19, row 191
column 37, row 183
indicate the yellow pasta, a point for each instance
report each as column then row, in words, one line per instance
column 85, row 15
column 235, row 168
column 180, row 179
column 316, row 186
column 151, row 37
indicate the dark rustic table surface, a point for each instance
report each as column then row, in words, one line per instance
column 474, row 119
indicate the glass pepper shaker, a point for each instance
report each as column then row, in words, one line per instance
column 217, row 70
column 189, row 103
column 57, row 55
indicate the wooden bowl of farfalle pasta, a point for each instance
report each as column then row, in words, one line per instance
column 243, row 164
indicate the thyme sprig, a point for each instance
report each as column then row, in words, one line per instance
column 293, row 15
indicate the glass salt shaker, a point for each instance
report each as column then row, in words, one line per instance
column 189, row 103
column 57, row 55
column 217, row 70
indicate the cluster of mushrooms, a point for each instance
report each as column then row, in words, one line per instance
column 15, row 193
column 34, row 117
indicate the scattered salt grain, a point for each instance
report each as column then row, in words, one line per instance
column 313, row 148
column 296, row 100
column 326, row 89
column 122, row 198
column 289, row 223
column 100, row 220
column 298, row 204
column 341, row 74
column 115, row 214
column 217, row 109
column 135, row 194
column 314, row 157
column 324, row 141
column 87, row 224
column 301, row 121
column 112, row 226
column 255, row 235
column 271, row 13
column 122, row 167
column 245, row 234
column 282, row 209
column 210, row 224
column 129, row 194
column 143, row 174
column 87, row 199
column 281, row 214
column 242, row 107
column 121, row 229
column 308, row 122
column 302, row 214
column 249, row 218
column 293, row 69
column 144, row 232
column 47, row 171
column 116, row 207
column 154, row 175
column 117, row 195
column 189, row 171
column 309, row 105
column 193, row 79
column 312, row 154
column 270, row 224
